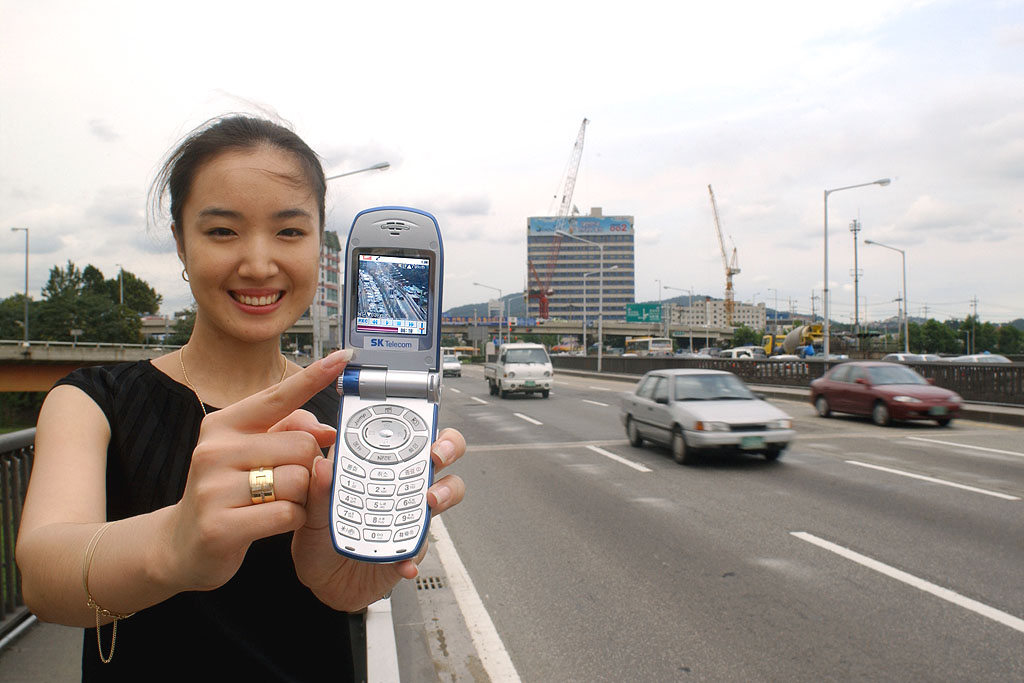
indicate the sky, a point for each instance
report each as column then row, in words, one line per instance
column 477, row 105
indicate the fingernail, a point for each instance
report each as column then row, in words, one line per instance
column 444, row 450
column 333, row 362
column 441, row 494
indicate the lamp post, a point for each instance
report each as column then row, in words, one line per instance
column 661, row 309
column 775, row 314
column 508, row 338
column 824, row 294
column 25, row 230
column 314, row 311
column 120, row 280
column 689, row 305
column 906, row 301
column 593, row 272
column 600, row 291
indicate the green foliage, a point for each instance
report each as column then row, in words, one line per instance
column 12, row 317
column 937, row 337
column 19, row 409
column 746, row 336
column 1011, row 340
column 184, row 321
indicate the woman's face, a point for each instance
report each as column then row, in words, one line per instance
column 250, row 241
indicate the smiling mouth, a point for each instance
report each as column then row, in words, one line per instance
column 265, row 300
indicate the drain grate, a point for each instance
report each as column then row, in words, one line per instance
column 426, row 583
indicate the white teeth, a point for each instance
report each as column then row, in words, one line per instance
column 257, row 300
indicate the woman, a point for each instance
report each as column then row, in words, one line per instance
column 220, row 581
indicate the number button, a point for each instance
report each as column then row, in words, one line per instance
column 410, row 502
column 349, row 515
column 380, row 489
column 350, row 500
column 406, row 534
column 351, row 484
column 377, row 535
column 410, row 487
column 409, row 517
column 380, row 504
column 412, row 471
column 379, row 520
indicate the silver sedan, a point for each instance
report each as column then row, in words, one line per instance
column 693, row 410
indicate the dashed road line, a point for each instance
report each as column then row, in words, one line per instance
column 453, row 389
column 933, row 480
column 478, row 400
column 618, row 458
column 963, row 445
column 596, row 403
column 528, row 419
column 984, row 610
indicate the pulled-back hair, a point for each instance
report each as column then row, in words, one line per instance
column 222, row 134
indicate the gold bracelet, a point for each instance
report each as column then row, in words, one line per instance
column 91, row 603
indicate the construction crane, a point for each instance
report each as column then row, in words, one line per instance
column 541, row 289
column 731, row 267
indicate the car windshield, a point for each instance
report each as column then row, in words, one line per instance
column 711, row 388
column 526, row 356
column 897, row 374
column 451, row 359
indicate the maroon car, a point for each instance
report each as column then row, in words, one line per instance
column 885, row 391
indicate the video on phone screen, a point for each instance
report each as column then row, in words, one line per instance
column 392, row 294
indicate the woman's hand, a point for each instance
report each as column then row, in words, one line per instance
column 212, row 526
column 349, row 585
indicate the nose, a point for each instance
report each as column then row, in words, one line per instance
column 259, row 260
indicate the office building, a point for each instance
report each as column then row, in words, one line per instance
column 711, row 312
column 563, row 272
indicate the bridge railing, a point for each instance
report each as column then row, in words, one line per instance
column 1001, row 383
column 16, row 452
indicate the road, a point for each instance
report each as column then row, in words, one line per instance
column 601, row 562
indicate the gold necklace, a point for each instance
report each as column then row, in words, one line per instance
column 181, row 360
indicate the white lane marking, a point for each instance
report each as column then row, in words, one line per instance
column 454, row 390
column 963, row 445
column 543, row 446
column 602, row 388
column 528, row 418
column 928, row 587
column 933, row 480
column 618, row 458
column 489, row 647
column 478, row 400
column 596, row 403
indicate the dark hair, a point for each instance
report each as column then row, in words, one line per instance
column 222, row 134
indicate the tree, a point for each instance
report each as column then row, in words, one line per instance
column 746, row 336
column 12, row 317
column 937, row 337
column 184, row 321
column 1011, row 340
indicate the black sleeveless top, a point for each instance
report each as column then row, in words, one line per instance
column 263, row 624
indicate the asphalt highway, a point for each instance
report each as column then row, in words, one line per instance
column 863, row 553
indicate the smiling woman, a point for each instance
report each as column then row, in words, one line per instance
column 190, row 493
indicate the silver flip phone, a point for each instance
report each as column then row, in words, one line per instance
column 391, row 390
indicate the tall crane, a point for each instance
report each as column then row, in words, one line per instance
column 731, row 267
column 541, row 288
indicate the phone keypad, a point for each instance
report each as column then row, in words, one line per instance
column 387, row 502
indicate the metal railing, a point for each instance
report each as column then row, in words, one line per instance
column 1001, row 383
column 17, row 450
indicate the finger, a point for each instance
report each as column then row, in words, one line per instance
column 318, row 498
column 449, row 447
column 246, row 451
column 305, row 421
column 262, row 410
column 444, row 494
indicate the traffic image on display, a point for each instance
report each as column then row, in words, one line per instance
column 392, row 295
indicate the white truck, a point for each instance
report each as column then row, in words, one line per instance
column 520, row 368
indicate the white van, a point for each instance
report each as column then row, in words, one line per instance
column 520, row 368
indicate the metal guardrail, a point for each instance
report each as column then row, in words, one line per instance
column 1001, row 383
column 17, row 450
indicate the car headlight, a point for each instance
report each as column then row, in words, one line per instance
column 955, row 398
column 906, row 399
column 712, row 427
column 783, row 423
column 510, row 374
column 547, row 373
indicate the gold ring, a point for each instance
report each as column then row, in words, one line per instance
column 261, row 485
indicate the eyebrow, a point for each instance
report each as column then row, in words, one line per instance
column 217, row 212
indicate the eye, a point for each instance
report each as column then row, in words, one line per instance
column 220, row 232
column 292, row 232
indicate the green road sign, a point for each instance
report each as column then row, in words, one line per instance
column 643, row 313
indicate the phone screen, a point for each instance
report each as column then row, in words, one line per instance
column 392, row 296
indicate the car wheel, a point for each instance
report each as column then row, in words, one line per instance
column 822, row 406
column 773, row 454
column 681, row 453
column 944, row 421
column 880, row 414
column 492, row 387
column 502, row 391
column 545, row 393
column 633, row 434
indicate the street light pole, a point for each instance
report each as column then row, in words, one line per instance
column 906, row 301
column 689, row 305
column 382, row 166
column 26, row 280
column 600, row 291
column 585, row 275
column 661, row 309
column 120, row 280
column 503, row 303
column 824, row 293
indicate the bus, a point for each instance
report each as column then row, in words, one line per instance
column 648, row 346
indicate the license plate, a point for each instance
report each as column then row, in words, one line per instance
column 529, row 383
column 751, row 442
column 937, row 410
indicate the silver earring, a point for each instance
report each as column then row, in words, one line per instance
column 184, row 275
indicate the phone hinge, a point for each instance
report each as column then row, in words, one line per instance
column 380, row 384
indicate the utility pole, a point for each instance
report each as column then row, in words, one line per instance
column 855, row 228
column 814, row 297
